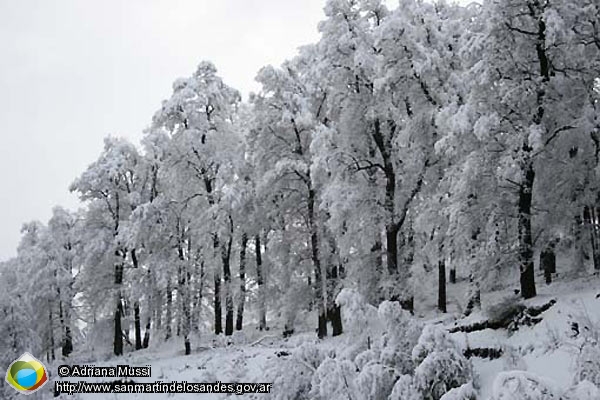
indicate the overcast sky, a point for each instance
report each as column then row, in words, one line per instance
column 74, row 71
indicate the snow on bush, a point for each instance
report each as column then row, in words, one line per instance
column 587, row 367
column 334, row 380
column 442, row 371
column 432, row 339
column 292, row 376
column 521, row 385
column 465, row 392
column 404, row 389
column 401, row 334
column 507, row 308
column 358, row 316
column 375, row 381
column 440, row 368
column 584, row 390
column 361, row 323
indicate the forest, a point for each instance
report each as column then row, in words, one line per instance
column 408, row 151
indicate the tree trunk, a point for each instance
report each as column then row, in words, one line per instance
column 525, row 237
column 169, row 316
column 217, row 305
column 319, row 289
column 442, row 285
column 217, row 293
column 146, row 342
column 138, row 328
column 118, row 339
column 226, row 256
column 391, row 237
column 453, row 275
column 548, row 263
column 334, row 274
column 262, row 318
column 239, row 322
column 589, row 217
column 51, row 343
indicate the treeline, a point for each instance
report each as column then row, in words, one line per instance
column 404, row 145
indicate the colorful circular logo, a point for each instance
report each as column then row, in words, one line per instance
column 26, row 374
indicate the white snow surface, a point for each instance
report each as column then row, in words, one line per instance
column 547, row 350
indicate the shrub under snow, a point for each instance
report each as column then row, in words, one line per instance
column 404, row 389
column 401, row 335
column 334, row 380
column 292, row 376
column 375, row 381
column 440, row 368
column 432, row 339
column 465, row 392
column 584, row 390
column 588, row 364
column 521, row 385
column 440, row 372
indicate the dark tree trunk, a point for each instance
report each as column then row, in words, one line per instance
column 336, row 320
column 391, row 235
column 384, row 145
column 442, row 286
column 138, row 328
column 453, row 275
column 548, row 263
column 118, row 337
column 239, row 322
column 146, row 341
column 67, row 347
column 319, row 292
column 334, row 275
column 51, row 332
column 262, row 318
column 525, row 237
column 217, row 304
column 118, row 340
column 66, row 342
column 589, row 217
column 169, row 316
column 217, row 293
column 226, row 256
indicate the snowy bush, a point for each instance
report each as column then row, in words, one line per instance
column 334, row 380
column 432, row 339
column 505, row 309
column 292, row 376
column 359, row 317
column 375, row 381
column 440, row 372
column 585, row 390
column 587, row 367
column 465, row 392
column 402, row 334
column 367, row 356
column 361, row 323
column 521, row 385
column 404, row 389
column 441, row 366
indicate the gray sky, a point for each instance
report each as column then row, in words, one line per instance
column 74, row 71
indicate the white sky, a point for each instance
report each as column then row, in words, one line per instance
column 74, row 71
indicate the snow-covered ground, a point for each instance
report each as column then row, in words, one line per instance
column 548, row 349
